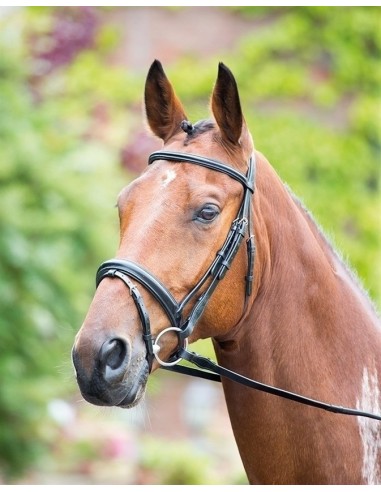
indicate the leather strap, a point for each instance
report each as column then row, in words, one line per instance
column 214, row 369
column 166, row 155
column 193, row 371
column 151, row 283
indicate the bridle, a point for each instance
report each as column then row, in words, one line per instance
column 123, row 269
column 240, row 228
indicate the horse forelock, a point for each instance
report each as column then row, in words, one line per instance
column 199, row 128
column 206, row 139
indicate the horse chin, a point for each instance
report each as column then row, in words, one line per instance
column 131, row 394
column 133, row 397
column 137, row 391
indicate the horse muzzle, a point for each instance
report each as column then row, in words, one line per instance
column 117, row 378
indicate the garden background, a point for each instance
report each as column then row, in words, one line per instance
column 72, row 134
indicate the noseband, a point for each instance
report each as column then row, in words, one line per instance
column 126, row 269
column 240, row 227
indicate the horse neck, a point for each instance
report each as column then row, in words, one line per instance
column 308, row 325
column 309, row 303
column 301, row 281
column 303, row 290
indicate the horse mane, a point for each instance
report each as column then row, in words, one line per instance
column 329, row 242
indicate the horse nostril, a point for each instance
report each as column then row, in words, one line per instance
column 115, row 353
column 114, row 359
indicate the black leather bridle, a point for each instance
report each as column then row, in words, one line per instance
column 123, row 269
column 241, row 227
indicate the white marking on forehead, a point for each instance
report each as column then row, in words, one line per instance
column 370, row 430
column 169, row 176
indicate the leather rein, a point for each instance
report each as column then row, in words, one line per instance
column 240, row 228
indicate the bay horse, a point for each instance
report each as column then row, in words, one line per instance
column 285, row 310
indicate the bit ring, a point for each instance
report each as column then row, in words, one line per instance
column 156, row 347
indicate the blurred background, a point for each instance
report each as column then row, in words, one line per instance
column 72, row 134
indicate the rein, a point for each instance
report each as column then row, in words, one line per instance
column 240, row 227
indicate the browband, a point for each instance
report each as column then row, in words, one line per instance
column 166, row 155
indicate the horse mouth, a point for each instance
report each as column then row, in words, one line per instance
column 133, row 398
column 137, row 391
column 125, row 394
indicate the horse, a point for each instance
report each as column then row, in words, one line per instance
column 284, row 310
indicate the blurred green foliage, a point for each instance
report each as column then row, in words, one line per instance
column 182, row 464
column 309, row 81
column 56, row 219
column 178, row 465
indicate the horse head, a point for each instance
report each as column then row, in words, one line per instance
column 173, row 220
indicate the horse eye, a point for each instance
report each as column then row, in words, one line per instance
column 208, row 213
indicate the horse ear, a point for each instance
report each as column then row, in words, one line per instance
column 226, row 106
column 164, row 110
